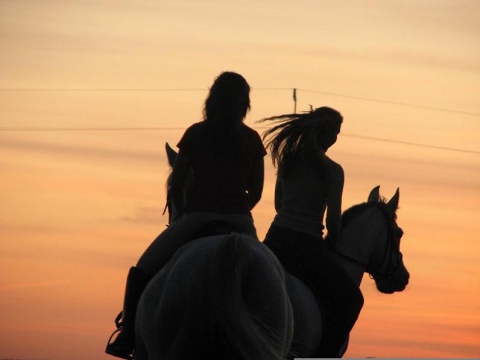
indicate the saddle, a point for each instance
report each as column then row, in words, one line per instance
column 215, row 227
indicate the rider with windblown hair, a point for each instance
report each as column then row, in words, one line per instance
column 309, row 187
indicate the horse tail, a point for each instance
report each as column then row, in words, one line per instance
column 238, row 329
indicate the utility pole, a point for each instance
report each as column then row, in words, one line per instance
column 294, row 100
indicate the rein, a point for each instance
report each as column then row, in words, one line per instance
column 355, row 261
column 391, row 255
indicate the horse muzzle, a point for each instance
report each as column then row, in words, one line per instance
column 395, row 282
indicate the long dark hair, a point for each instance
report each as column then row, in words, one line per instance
column 228, row 102
column 225, row 108
column 298, row 137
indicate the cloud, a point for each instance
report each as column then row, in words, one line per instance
column 146, row 215
column 56, row 147
column 29, row 285
column 395, row 55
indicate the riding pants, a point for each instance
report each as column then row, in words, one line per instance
column 306, row 257
column 184, row 230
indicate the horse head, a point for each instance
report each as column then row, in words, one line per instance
column 170, row 206
column 376, row 220
column 171, row 154
column 390, row 274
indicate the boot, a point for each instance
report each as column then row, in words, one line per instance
column 124, row 344
column 337, row 333
column 342, row 302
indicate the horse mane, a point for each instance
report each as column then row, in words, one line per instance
column 354, row 211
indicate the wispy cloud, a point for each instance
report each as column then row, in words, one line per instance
column 397, row 55
column 146, row 215
column 56, row 147
column 29, row 285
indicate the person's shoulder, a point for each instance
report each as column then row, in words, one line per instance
column 332, row 163
column 198, row 126
column 192, row 135
column 247, row 129
column 249, row 132
column 253, row 139
column 196, row 129
column 334, row 168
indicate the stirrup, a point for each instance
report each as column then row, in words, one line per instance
column 116, row 354
column 118, row 321
column 109, row 342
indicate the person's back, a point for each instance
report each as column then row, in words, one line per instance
column 304, row 198
column 220, row 177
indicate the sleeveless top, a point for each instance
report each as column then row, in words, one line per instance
column 303, row 196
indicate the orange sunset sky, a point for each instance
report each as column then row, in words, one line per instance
column 90, row 91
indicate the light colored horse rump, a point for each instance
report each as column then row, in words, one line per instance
column 220, row 297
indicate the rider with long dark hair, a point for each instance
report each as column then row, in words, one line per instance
column 225, row 157
column 309, row 187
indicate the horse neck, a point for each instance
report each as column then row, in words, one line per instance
column 360, row 241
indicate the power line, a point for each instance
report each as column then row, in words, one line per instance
column 86, row 129
column 58, row 129
column 400, row 142
column 257, row 89
column 412, row 143
column 98, row 89
column 391, row 102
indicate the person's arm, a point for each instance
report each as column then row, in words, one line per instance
column 278, row 194
column 177, row 183
column 255, row 183
column 334, row 201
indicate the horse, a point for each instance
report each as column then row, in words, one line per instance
column 228, row 297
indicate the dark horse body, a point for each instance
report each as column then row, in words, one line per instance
column 228, row 297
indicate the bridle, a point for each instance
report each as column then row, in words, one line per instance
column 392, row 253
column 384, row 270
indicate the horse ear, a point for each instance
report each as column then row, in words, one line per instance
column 392, row 205
column 171, row 154
column 374, row 194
